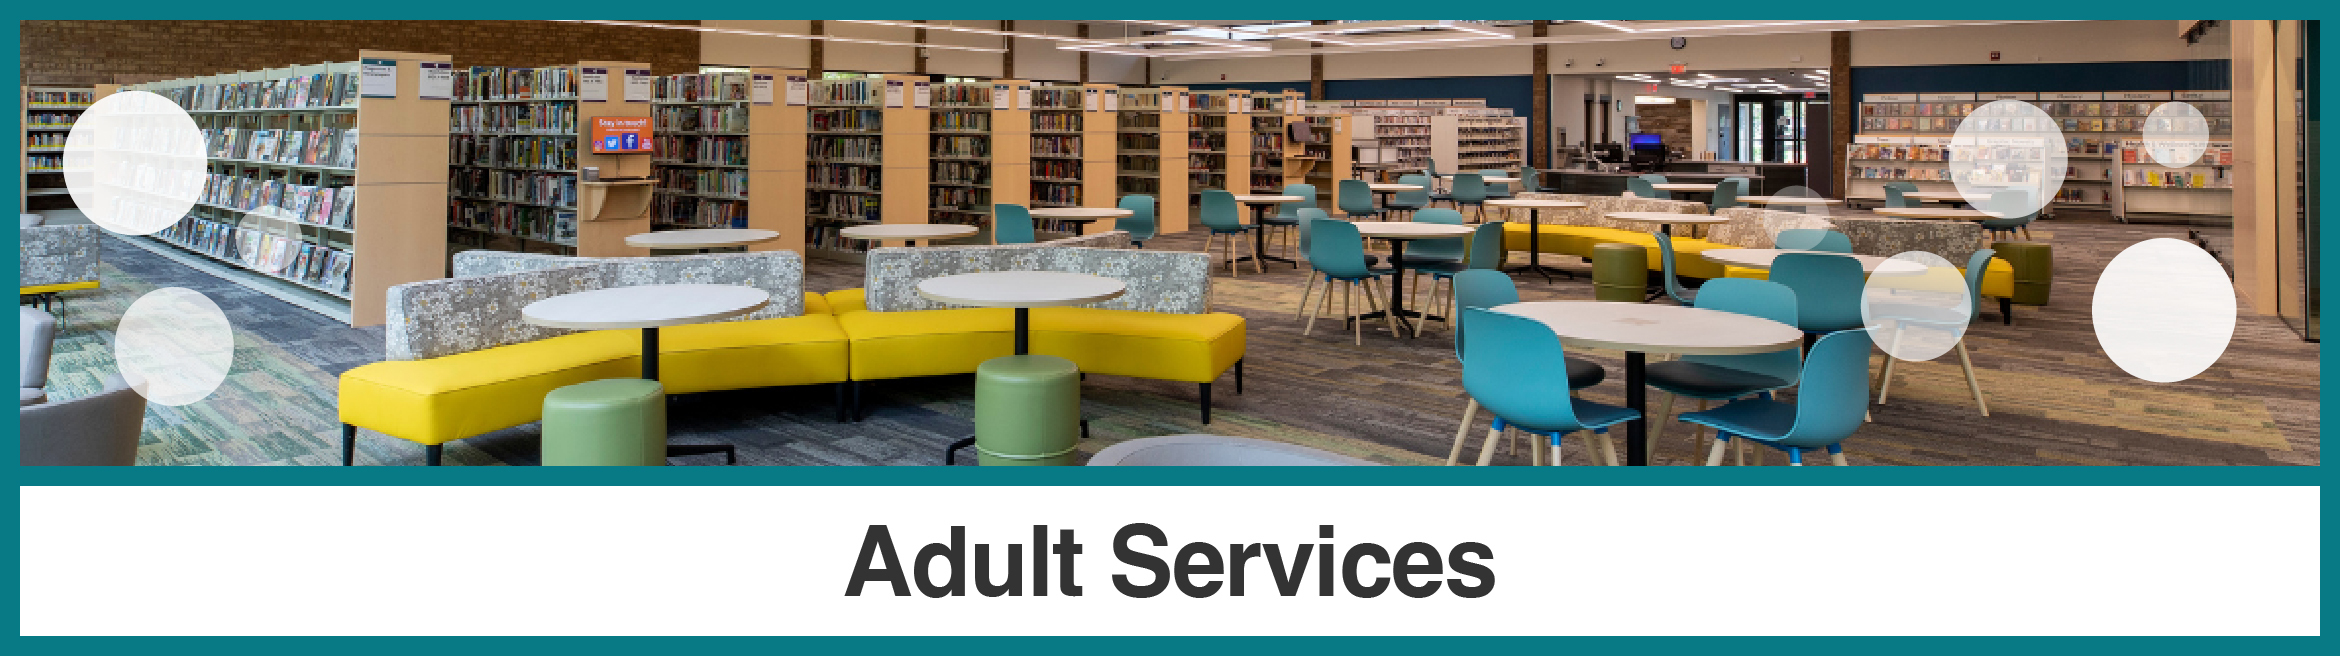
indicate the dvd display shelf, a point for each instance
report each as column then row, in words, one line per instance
column 2093, row 124
column 1151, row 152
column 978, row 137
column 294, row 193
column 2200, row 192
column 49, row 113
column 725, row 152
column 866, row 134
column 1478, row 138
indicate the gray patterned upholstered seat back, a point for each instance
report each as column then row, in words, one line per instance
column 436, row 318
column 1755, row 227
column 780, row 273
column 57, row 255
column 1597, row 208
column 1953, row 240
column 1176, row 282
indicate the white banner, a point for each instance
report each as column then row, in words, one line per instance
column 1543, row 560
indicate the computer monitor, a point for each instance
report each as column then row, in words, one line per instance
column 1648, row 141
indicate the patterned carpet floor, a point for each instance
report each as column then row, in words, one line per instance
column 2055, row 398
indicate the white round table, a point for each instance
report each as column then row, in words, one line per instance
column 1397, row 233
column 908, row 232
column 1022, row 290
column 1691, row 187
column 1259, row 207
column 648, row 308
column 1485, row 178
column 1934, row 213
column 1761, row 258
column 1935, row 196
column 1080, row 216
column 1383, row 190
column 1639, row 329
column 1666, row 220
column 1788, row 200
column 1536, row 207
column 701, row 238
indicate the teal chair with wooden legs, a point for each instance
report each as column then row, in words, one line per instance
column 1287, row 217
column 1337, row 250
column 1516, row 368
column 1409, row 201
column 1828, row 290
column 1974, row 273
column 1531, row 179
column 1308, row 217
column 1485, row 252
column 1225, row 219
column 1813, row 239
column 1012, row 224
column 1468, row 190
column 1708, row 378
column 1479, row 289
column 1496, row 190
column 1641, row 187
column 1832, row 397
column 2009, row 225
column 1140, row 223
column 1356, row 201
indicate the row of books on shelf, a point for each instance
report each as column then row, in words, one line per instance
column 2216, row 125
column 720, row 182
column 700, row 149
column 1902, row 173
column 1205, row 122
column 1061, row 169
column 1139, row 121
column 962, row 147
column 699, row 118
column 41, row 97
column 312, row 204
column 543, row 224
column 1060, row 122
column 540, row 153
column 701, row 87
column 851, row 207
column 1056, row 146
column 2082, row 196
column 329, row 147
column 962, row 121
column 1201, row 142
column 863, row 149
column 856, row 120
column 2216, row 108
column 963, row 95
column 959, row 198
column 2219, row 153
column 848, row 91
column 525, row 118
column 297, row 92
column 515, row 83
column 697, row 212
column 1139, row 142
column 1918, row 109
column 41, row 162
column 832, row 238
column 45, row 140
column 316, row 265
column 41, row 119
column 1054, row 194
column 966, row 173
column 1150, row 186
column 1045, row 98
column 1137, row 162
column 2216, row 179
column 547, row 189
column 843, row 177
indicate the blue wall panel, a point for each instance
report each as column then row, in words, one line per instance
column 2190, row 75
column 1513, row 91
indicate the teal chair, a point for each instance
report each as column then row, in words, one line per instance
column 1430, row 171
column 1726, row 194
column 1724, row 377
column 1308, row 217
column 1468, row 189
column 1433, row 252
column 1485, row 253
column 1640, row 186
column 1673, row 287
column 1509, row 367
column 1531, row 179
column 1356, row 201
column 1140, row 223
column 1337, row 250
column 1828, row 290
column 1409, row 201
column 1974, row 273
column 1894, row 191
column 1813, row 239
column 2009, row 225
column 1012, row 224
column 1225, row 219
column 1287, row 216
column 1496, row 190
column 1831, row 401
column 1482, row 288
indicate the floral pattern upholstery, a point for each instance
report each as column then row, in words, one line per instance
column 1158, row 281
column 435, row 318
column 1755, row 227
column 1953, row 240
column 780, row 273
column 57, row 255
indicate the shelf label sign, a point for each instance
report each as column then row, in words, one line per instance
column 760, row 89
column 621, row 134
column 438, row 80
column 893, row 94
column 1023, row 97
column 378, row 78
column 593, row 84
column 637, row 85
column 1000, row 98
column 1089, row 100
column 799, row 91
column 922, row 95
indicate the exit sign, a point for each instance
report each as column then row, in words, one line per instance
column 1679, row 68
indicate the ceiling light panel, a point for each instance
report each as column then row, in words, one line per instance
column 780, row 35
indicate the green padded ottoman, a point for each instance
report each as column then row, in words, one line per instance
column 2035, row 268
column 1027, row 410
column 1620, row 272
column 615, row 422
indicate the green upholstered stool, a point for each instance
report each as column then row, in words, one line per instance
column 620, row 422
column 1027, row 410
column 1620, row 272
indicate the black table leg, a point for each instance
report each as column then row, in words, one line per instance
column 1536, row 247
column 650, row 353
column 1259, row 239
column 1637, row 398
column 1397, row 293
column 650, row 372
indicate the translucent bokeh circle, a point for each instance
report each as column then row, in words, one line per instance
column 134, row 163
column 1800, row 191
column 2164, row 310
column 174, row 346
column 2176, row 134
column 2008, row 158
column 1916, row 306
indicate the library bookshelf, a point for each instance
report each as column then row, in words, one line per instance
column 979, row 138
column 296, row 193
column 868, row 134
column 729, row 144
column 1325, row 163
column 1057, row 153
column 1209, row 145
column 1151, row 144
column 1268, row 116
column 49, row 113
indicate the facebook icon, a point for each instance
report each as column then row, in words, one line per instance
column 633, row 141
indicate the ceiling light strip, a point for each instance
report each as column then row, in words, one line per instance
column 780, row 35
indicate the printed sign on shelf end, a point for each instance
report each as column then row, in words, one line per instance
column 618, row 135
column 378, row 78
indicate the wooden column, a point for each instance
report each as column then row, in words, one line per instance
column 1840, row 110
column 905, row 149
column 602, row 226
column 1011, row 143
column 1099, row 129
column 918, row 55
column 1170, row 214
column 1082, row 30
column 2264, row 79
column 1540, row 107
column 1007, row 60
column 401, row 217
column 776, row 161
column 1316, row 68
column 819, row 28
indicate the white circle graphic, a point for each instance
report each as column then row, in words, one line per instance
column 1800, row 191
column 1916, row 306
column 134, row 163
column 174, row 346
column 2164, row 310
column 2176, row 134
column 2008, row 158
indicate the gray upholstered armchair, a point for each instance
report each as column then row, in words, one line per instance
column 99, row 429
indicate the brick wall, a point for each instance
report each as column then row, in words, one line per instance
column 1673, row 121
column 81, row 53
